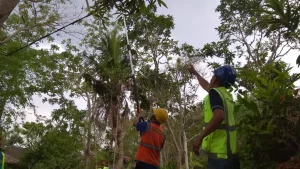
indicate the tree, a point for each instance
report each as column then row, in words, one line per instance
column 270, row 117
column 52, row 147
column 281, row 15
column 32, row 20
column 127, row 7
column 110, row 67
column 284, row 16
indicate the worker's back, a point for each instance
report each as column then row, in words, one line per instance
column 151, row 144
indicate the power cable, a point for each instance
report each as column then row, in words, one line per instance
column 43, row 37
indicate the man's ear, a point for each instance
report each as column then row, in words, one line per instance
column 216, row 82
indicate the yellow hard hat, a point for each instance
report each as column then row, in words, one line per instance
column 161, row 115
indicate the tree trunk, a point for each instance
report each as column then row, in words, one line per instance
column 91, row 109
column 6, row 7
column 121, row 147
column 2, row 106
column 123, row 124
column 176, row 145
column 161, row 159
column 179, row 158
column 87, row 149
column 3, row 101
column 186, row 156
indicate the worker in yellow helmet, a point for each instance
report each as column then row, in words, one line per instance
column 152, row 141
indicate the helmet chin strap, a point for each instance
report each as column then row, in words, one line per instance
column 141, row 119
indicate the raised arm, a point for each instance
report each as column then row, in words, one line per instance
column 136, row 120
column 203, row 83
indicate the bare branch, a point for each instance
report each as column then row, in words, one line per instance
column 87, row 4
column 173, row 136
column 11, row 36
column 255, row 32
column 294, row 47
column 283, row 47
column 34, row 12
column 285, row 53
column 277, row 45
column 259, row 46
column 193, row 137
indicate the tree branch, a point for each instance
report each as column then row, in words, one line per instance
column 193, row 137
column 11, row 36
column 19, row 30
column 279, row 54
column 240, row 30
column 87, row 4
column 173, row 136
column 277, row 45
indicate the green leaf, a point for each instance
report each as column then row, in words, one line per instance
column 143, row 8
column 298, row 61
column 242, row 100
column 270, row 126
column 261, row 124
column 161, row 2
column 253, row 106
column 252, row 128
column 237, row 108
column 264, row 81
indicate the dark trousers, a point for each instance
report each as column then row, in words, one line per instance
column 141, row 165
column 223, row 163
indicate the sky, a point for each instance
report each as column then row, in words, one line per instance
column 195, row 23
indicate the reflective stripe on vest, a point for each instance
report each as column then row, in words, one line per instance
column 150, row 146
column 157, row 131
column 216, row 145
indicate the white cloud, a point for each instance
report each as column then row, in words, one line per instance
column 48, row 46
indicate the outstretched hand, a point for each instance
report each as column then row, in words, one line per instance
column 192, row 69
column 196, row 146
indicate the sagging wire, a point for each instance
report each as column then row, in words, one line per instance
column 47, row 35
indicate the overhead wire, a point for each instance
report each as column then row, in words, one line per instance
column 47, row 35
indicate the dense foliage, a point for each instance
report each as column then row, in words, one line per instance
column 95, row 69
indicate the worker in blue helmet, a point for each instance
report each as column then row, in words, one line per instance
column 218, row 138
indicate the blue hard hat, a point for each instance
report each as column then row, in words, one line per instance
column 226, row 74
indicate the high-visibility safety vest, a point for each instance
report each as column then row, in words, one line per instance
column 151, row 144
column 222, row 142
column 2, row 160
